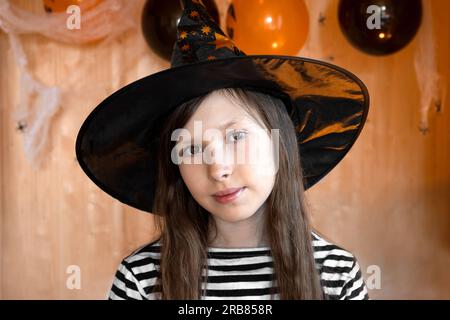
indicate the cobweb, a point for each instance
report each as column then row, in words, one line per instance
column 38, row 102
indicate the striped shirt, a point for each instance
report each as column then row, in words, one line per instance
column 241, row 273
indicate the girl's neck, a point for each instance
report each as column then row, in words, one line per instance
column 248, row 233
column 238, row 244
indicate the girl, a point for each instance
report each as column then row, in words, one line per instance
column 221, row 148
column 262, row 227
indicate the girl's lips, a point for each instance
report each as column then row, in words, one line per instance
column 229, row 197
column 227, row 191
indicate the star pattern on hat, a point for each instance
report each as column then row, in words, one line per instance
column 185, row 47
column 206, row 29
column 200, row 38
column 194, row 14
column 222, row 41
column 183, row 35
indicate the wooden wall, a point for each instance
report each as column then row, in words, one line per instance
column 388, row 201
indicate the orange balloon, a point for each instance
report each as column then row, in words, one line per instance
column 61, row 5
column 268, row 26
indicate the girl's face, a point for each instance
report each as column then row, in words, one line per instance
column 227, row 149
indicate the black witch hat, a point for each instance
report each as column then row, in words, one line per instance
column 116, row 143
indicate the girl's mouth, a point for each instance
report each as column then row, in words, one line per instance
column 229, row 197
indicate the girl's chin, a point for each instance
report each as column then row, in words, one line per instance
column 231, row 215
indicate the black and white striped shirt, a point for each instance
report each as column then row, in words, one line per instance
column 241, row 274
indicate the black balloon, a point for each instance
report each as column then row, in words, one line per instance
column 394, row 27
column 159, row 23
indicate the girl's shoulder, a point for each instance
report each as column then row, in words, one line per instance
column 137, row 274
column 153, row 246
column 147, row 254
column 321, row 244
column 321, row 241
column 326, row 250
column 340, row 272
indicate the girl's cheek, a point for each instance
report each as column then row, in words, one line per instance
column 258, row 149
column 266, row 153
column 192, row 174
column 247, row 151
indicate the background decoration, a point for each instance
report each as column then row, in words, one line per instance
column 38, row 103
column 399, row 21
column 105, row 21
column 61, row 5
column 427, row 75
column 268, row 27
column 313, row 47
column 159, row 23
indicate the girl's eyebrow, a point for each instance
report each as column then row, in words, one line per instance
column 221, row 127
column 229, row 123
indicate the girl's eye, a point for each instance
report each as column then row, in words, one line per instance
column 191, row 150
column 237, row 135
column 195, row 149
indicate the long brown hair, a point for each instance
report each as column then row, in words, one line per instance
column 183, row 223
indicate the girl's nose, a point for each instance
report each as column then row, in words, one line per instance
column 220, row 172
column 221, row 166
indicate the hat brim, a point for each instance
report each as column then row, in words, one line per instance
column 116, row 143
